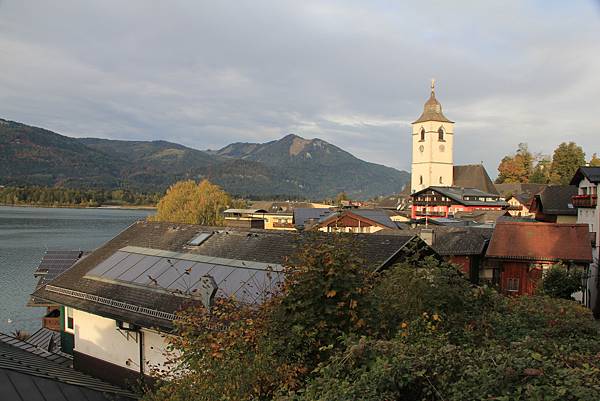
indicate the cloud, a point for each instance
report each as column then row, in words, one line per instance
column 353, row 73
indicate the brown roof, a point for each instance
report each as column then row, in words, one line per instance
column 518, row 188
column 473, row 176
column 432, row 111
column 541, row 241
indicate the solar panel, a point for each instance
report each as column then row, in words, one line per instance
column 199, row 239
column 247, row 281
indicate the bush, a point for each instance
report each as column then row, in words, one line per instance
column 338, row 332
column 560, row 282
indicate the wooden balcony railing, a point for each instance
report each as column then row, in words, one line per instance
column 283, row 225
column 585, row 200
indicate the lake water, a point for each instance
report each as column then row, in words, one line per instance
column 26, row 233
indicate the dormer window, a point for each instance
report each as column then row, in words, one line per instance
column 422, row 134
column 441, row 134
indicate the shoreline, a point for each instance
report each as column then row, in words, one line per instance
column 111, row 207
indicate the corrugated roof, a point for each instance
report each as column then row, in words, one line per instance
column 541, row 241
column 48, row 340
column 28, row 373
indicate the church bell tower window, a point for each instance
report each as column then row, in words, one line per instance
column 422, row 134
column 441, row 134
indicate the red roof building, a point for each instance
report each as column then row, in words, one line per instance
column 524, row 250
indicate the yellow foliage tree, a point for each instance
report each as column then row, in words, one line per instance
column 193, row 203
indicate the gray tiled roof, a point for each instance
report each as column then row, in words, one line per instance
column 266, row 246
column 377, row 215
column 303, row 216
column 556, row 200
column 591, row 173
column 28, row 373
column 454, row 241
column 458, row 193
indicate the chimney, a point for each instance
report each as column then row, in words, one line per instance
column 427, row 235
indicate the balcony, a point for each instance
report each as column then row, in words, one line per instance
column 430, row 214
column 585, row 200
column 283, row 225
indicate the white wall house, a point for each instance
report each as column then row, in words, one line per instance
column 137, row 349
column 587, row 180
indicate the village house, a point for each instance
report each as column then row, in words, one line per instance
column 519, row 253
column 437, row 201
column 554, row 204
column 119, row 303
column 587, row 180
column 518, row 205
column 355, row 221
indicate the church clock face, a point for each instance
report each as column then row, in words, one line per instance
column 421, row 148
column 442, row 148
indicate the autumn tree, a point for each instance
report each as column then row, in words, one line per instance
column 516, row 168
column 193, row 203
column 595, row 161
column 567, row 158
column 341, row 197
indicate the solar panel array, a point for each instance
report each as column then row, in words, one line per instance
column 54, row 263
column 181, row 273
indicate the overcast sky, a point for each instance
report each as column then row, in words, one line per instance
column 208, row 73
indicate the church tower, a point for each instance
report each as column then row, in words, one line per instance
column 432, row 147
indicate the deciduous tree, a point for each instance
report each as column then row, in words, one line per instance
column 193, row 203
column 567, row 158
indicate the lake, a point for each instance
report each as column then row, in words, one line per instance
column 26, row 233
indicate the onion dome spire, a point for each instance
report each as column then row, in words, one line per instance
column 432, row 111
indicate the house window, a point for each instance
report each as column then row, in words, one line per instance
column 441, row 181
column 512, row 284
column 441, row 134
column 422, row 134
column 421, row 180
column 69, row 325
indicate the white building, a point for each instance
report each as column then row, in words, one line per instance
column 587, row 179
column 432, row 147
column 433, row 154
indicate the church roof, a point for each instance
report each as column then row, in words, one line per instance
column 432, row 111
column 473, row 176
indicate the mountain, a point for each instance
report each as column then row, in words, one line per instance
column 289, row 167
column 319, row 167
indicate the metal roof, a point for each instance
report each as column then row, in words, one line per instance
column 28, row 373
column 302, row 215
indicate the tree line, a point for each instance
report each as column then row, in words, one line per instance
column 50, row 196
column 526, row 167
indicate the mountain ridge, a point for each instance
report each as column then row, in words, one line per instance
column 288, row 167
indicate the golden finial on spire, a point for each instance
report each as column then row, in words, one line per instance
column 432, row 85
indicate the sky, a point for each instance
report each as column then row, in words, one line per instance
column 353, row 73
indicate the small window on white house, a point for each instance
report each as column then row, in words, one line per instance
column 441, row 134
column 69, row 324
column 421, row 180
column 422, row 134
column 441, row 180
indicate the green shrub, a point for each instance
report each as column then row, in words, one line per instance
column 560, row 282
